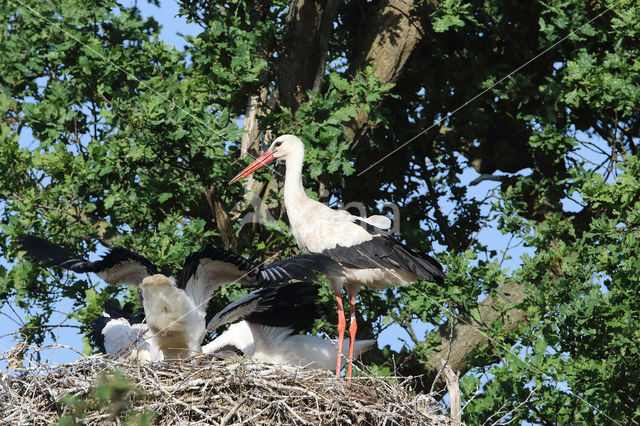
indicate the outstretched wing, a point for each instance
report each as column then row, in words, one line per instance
column 212, row 267
column 118, row 267
column 292, row 305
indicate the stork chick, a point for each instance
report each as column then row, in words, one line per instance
column 174, row 319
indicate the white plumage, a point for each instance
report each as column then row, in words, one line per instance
column 175, row 311
column 120, row 333
column 279, row 345
column 128, row 341
column 176, row 322
column 369, row 256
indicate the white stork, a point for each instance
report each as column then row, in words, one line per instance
column 175, row 312
column 120, row 333
column 272, row 334
column 369, row 256
column 272, row 319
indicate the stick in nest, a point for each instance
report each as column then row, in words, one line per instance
column 231, row 391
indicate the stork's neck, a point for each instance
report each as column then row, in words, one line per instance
column 293, row 190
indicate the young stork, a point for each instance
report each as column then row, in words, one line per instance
column 273, row 334
column 369, row 256
column 120, row 333
column 175, row 312
column 274, row 313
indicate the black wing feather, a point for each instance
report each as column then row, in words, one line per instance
column 299, row 268
column 49, row 254
column 292, row 305
column 383, row 250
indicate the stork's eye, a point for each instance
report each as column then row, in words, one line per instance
column 277, row 144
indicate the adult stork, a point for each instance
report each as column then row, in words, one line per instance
column 175, row 310
column 369, row 256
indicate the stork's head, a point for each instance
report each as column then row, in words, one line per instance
column 284, row 147
column 156, row 280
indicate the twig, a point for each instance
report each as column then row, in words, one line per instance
column 179, row 393
column 232, row 412
column 444, row 362
column 514, row 409
column 454, row 394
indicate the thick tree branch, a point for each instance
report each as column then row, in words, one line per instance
column 250, row 142
column 222, row 219
column 250, row 139
column 325, row 29
column 305, row 44
column 395, row 30
column 470, row 335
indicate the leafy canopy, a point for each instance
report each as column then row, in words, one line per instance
column 110, row 137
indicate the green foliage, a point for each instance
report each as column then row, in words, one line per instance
column 451, row 14
column 109, row 137
column 113, row 394
column 583, row 325
column 124, row 141
column 320, row 122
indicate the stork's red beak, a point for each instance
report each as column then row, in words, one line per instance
column 263, row 160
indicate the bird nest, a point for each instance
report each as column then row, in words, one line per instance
column 97, row 389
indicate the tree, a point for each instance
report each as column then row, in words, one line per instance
column 110, row 136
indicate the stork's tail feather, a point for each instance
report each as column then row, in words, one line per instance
column 384, row 251
column 362, row 346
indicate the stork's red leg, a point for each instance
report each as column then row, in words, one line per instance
column 342, row 323
column 353, row 326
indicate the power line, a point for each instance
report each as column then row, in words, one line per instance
column 449, row 114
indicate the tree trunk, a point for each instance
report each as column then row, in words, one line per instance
column 394, row 31
column 471, row 334
column 304, row 55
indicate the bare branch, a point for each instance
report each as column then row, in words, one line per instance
column 486, row 176
column 454, row 395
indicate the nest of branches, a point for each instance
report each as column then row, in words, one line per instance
column 97, row 389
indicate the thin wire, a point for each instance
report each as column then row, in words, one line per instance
column 449, row 114
column 607, row 9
